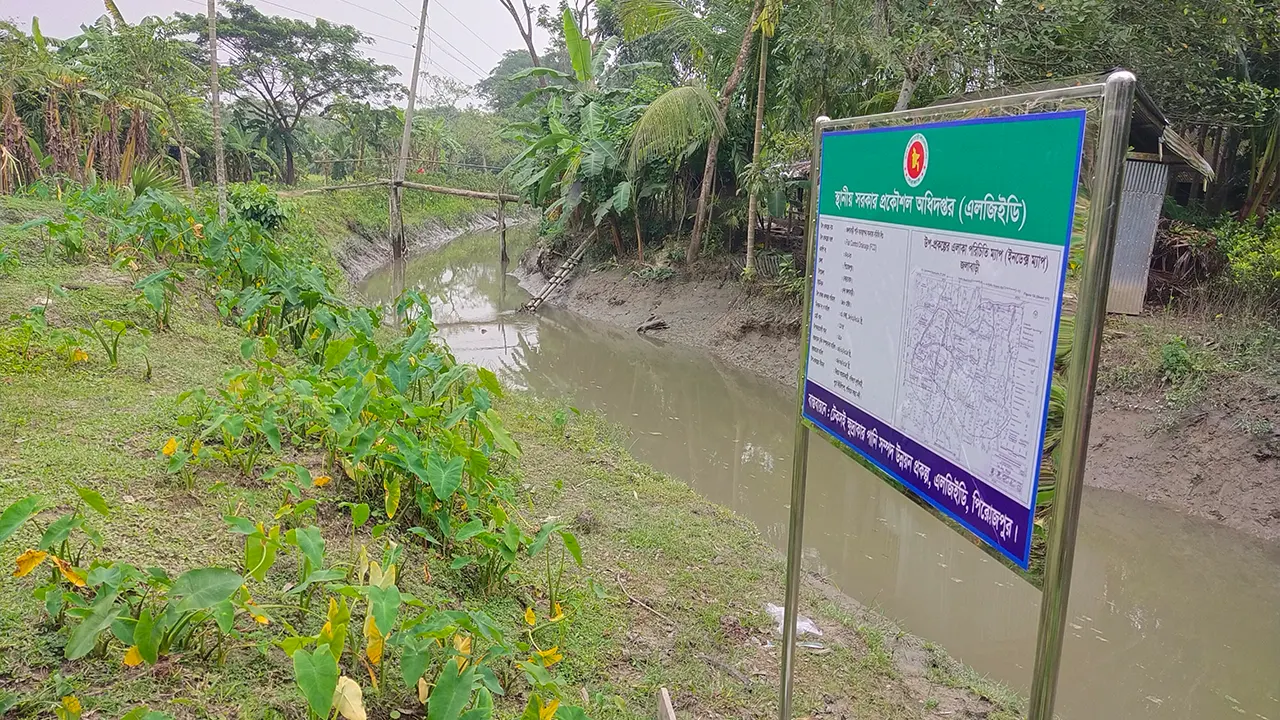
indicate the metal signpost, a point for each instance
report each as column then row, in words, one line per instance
column 938, row 246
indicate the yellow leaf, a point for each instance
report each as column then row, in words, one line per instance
column 529, row 618
column 557, row 612
column 28, row 561
column 348, row 699
column 68, row 572
column 426, row 573
column 132, row 658
column 373, row 674
column 547, row 711
column 423, row 690
column 79, row 355
column 170, row 447
column 195, row 447
column 374, row 641
column 462, row 643
column 71, row 704
column 321, row 480
column 550, row 656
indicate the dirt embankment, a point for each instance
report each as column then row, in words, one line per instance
column 364, row 250
column 1205, row 461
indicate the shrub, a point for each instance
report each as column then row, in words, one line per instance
column 257, row 202
column 1252, row 253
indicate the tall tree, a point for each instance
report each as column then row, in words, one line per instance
column 288, row 68
column 525, row 26
column 768, row 24
column 643, row 17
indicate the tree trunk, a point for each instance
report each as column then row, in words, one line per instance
column 14, row 136
column 617, row 232
column 289, row 176
column 635, row 215
column 753, row 200
column 713, row 145
column 182, row 150
column 138, row 136
column 905, row 93
column 215, row 109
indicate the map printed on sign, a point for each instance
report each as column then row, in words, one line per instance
column 940, row 257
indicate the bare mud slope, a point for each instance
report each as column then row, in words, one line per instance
column 1202, row 463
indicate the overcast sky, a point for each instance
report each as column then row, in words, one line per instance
column 452, row 48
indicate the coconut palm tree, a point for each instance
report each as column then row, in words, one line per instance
column 707, row 50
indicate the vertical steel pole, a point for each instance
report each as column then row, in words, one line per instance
column 800, row 459
column 1091, row 314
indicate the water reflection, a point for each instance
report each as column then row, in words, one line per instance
column 1171, row 617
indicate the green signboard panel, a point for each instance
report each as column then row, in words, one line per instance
column 940, row 257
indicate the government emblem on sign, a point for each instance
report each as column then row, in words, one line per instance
column 916, row 160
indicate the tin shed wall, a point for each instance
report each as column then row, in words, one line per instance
column 1141, row 200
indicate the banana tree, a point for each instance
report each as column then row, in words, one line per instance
column 573, row 165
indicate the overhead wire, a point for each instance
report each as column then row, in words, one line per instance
column 371, row 46
column 375, row 12
column 468, row 27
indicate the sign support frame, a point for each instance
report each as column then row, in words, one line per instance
column 1118, row 93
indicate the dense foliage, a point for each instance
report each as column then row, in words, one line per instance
column 1209, row 65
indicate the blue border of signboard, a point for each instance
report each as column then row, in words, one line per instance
column 1022, row 560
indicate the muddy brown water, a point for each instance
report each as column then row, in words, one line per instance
column 1171, row 617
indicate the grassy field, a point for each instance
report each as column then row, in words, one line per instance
column 672, row 593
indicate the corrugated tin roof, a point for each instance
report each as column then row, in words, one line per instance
column 1149, row 132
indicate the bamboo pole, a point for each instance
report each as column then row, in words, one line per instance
column 474, row 194
column 296, row 193
column 397, row 216
column 502, row 230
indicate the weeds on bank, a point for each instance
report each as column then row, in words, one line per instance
column 404, row 434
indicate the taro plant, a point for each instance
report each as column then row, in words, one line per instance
column 9, row 261
column 68, row 232
column 157, row 292
column 108, row 334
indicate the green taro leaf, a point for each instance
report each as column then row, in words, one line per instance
column 570, row 712
column 413, row 661
column 451, row 693
column 500, row 436
column 571, row 542
column 85, row 637
column 93, row 499
column 540, row 540
column 468, row 531
column 17, row 514
column 270, row 429
column 311, row 543
column 360, row 514
column 239, row 525
column 317, row 676
column 146, row 637
column 490, row 381
column 385, row 605
column 203, row 588
column 59, row 530
column 444, row 477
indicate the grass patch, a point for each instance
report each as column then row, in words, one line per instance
column 672, row 594
column 1191, row 359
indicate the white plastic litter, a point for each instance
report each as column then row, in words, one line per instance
column 804, row 626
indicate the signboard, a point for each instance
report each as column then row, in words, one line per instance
column 940, row 257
